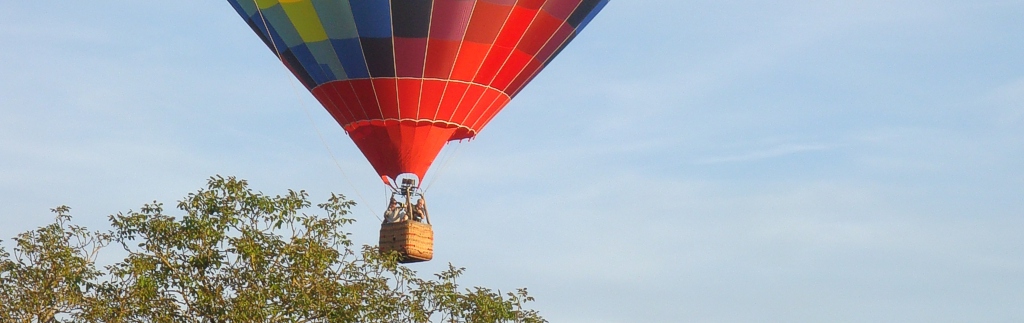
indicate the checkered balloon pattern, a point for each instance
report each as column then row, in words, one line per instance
column 404, row 77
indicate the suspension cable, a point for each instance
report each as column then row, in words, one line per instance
column 444, row 165
column 309, row 115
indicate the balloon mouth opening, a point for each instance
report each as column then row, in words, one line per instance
column 403, row 180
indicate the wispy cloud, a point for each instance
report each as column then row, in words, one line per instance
column 591, row 189
column 1009, row 102
column 761, row 154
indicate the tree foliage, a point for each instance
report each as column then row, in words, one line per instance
column 235, row 255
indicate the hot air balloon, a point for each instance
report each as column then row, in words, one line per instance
column 405, row 77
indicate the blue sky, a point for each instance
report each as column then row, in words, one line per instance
column 681, row 161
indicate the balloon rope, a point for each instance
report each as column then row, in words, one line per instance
column 444, row 92
column 444, row 166
column 305, row 108
column 309, row 115
column 423, row 74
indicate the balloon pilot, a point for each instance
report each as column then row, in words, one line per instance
column 401, row 208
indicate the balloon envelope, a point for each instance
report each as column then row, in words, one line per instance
column 404, row 77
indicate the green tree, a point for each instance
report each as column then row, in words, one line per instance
column 52, row 272
column 234, row 255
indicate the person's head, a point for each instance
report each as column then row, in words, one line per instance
column 420, row 202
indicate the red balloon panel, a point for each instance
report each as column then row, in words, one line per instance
column 405, row 76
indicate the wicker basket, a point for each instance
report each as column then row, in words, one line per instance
column 414, row 240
